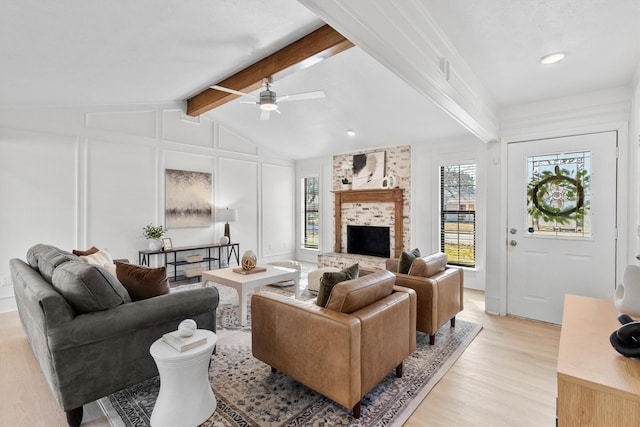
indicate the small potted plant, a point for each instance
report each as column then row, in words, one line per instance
column 346, row 185
column 154, row 233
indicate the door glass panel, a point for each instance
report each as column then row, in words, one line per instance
column 558, row 196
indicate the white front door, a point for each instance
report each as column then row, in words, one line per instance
column 561, row 222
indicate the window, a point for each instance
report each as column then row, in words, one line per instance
column 310, row 220
column 458, row 214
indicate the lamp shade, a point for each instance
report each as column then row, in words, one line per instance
column 226, row 215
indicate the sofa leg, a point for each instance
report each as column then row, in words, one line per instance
column 432, row 339
column 74, row 417
column 356, row 410
column 399, row 370
column 453, row 322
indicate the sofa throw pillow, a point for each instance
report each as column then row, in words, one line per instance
column 406, row 258
column 102, row 258
column 90, row 251
column 142, row 282
column 88, row 287
column 330, row 279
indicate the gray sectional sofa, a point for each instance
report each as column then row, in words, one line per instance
column 88, row 336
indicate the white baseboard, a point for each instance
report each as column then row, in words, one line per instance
column 7, row 299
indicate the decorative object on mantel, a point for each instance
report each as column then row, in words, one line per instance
column 188, row 197
column 368, row 170
column 346, row 184
column 627, row 295
column 249, row 260
column 154, row 233
column 227, row 215
column 389, row 181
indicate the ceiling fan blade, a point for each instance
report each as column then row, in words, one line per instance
column 249, row 102
column 264, row 115
column 235, row 92
column 300, row 96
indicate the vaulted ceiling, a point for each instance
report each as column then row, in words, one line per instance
column 148, row 51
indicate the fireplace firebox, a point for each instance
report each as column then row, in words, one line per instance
column 368, row 240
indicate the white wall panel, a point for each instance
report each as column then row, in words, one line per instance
column 230, row 141
column 175, row 127
column 237, row 188
column 277, row 210
column 120, row 196
column 38, row 189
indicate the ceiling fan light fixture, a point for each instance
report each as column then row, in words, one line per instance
column 351, row 132
column 553, row 58
column 268, row 106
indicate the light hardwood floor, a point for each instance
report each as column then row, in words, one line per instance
column 506, row 377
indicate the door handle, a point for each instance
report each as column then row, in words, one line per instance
column 513, row 243
column 513, row 231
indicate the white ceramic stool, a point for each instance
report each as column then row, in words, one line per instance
column 313, row 278
column 185, row 397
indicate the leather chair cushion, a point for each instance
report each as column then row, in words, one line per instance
column 330, row 279
column 429, row 265
column 88, row 287
column 352, row 295
column 142, row 282
column 406, row 259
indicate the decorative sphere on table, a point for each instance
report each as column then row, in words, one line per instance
column 249, row 260
column 187, row 327
column 224, row 240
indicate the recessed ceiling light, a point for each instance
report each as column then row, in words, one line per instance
column 351, row 132
column 552, row 58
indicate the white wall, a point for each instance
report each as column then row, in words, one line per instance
column 426, row 158
column 84, row 176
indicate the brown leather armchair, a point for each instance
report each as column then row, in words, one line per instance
column 343, row 350
column 439, row 289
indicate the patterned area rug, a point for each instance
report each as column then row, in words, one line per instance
column 249, row 394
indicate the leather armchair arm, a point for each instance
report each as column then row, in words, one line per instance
column 392, row 264
column 449, row 285
column 316, row 346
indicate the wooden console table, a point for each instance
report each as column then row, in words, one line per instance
column 392, row 195
column 144, row 257
column 597, row 386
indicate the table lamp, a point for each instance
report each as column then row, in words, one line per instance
column 226, row 215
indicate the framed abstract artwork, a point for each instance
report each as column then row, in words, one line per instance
column 368, row 170
column 188, row 199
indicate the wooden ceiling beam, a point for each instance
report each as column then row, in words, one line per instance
column 310, row 49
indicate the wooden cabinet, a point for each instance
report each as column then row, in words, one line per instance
column 596, row 385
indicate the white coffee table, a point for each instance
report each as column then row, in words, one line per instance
column 243, row 283
column 185, row 397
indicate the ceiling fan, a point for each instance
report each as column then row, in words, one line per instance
column 267, row 99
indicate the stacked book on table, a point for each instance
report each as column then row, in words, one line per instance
column 185, row 343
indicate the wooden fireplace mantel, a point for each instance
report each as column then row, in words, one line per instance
column 392, row 195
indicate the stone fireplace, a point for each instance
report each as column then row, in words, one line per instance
column 387, row 207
